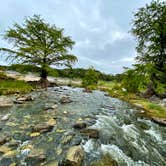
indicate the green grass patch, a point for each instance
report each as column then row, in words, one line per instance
column 14, row 86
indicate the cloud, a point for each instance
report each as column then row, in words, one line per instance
column 99, row 27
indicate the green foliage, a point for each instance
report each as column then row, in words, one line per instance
column 39, row 43
column 149, row 27
column 24, row 68
column 91, row 78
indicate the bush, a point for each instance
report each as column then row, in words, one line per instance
column 91, row 78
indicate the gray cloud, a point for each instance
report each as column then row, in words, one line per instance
column 99, row 27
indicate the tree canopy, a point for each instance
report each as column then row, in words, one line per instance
column 149, row 28
column 39, row 43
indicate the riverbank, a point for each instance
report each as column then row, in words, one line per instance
column 151, row 108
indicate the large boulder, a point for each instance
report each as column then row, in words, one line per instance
column 74, row 156
column 5, row 102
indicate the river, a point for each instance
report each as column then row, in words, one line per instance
column 128, row 138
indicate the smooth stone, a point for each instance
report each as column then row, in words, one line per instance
column 74, row 156
column 5, row 102
column 5, row 117
column 91, row 133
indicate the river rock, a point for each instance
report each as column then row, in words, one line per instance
column 67, row 139
column 91, row 133
column 3, row 140
column 79, row 125
column 5, row 117
column 5, row 102
column 24, row 98
column 160, row 121
column 74, row 156
column 65, row 99
column 106, row 160
column 42, row 128
column 35, row 157
column 51, row 163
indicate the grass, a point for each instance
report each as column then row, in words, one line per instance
column 14, row 86
column 116, row 90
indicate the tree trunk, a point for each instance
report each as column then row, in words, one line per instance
column 43, row 79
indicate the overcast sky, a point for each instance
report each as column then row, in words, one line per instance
column 100, row 28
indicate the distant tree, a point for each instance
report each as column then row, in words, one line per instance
column 91, row 78
column 39, row 43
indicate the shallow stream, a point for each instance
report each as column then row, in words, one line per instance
column 128, row 138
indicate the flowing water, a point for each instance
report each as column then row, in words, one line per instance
column 129, row 139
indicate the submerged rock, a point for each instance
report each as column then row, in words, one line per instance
column 86, row 90
column 5, row 102
column 51, row 163
column 74, row 156
column 35, row 157
column 42, row 128
column 65, row 99
column 106, row 160
column 91, row 133
column 79, row 125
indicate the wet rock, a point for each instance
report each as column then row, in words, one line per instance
column 65, row 99
column 79, row 125
column 106, row 160
column 4, row 149
column 51, row 122
column 24, row 98
column 6, row 117
column 86, row 90
column 67, row 139
column 47, row 107
column 42, row 128
column 74, row 156
column 35, row 157
column 5, row 102
column 3, row 140
column 51, row 163
column 160, row 121
column 91, row 133
column 34, row 134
